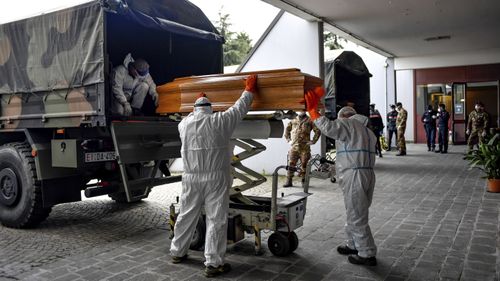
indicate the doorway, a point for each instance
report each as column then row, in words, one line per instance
column 465, row 96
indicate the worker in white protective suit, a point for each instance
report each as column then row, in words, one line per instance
column 134, row 91
column 356, row 155
column 206, row 156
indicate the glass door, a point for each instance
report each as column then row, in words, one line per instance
column 458, row 113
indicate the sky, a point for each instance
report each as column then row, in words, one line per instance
column 251, row 16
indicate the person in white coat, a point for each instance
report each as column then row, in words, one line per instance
column 133, row 88
column 206, row 156
column 356, row 155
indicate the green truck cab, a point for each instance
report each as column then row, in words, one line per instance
column 57, row 134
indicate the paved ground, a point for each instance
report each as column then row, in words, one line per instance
column 432, row 219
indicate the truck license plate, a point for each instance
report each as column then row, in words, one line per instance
column 100, row 156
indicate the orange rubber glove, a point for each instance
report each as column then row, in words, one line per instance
column 312, row 101
column 202, row 95
column 251, row 84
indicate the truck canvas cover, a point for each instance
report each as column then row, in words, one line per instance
column 347, row 80
column 54, row 67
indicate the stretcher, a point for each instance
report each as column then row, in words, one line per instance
column 322, row 167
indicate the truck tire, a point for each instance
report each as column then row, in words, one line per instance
column 21, row 204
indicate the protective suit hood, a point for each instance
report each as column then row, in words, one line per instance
column 203, row 105
column 128, row 59
column 361, row 118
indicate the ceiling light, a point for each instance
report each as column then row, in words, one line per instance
column 435, row 38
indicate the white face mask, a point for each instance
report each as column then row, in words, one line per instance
column 439, row 109
column 477, row 108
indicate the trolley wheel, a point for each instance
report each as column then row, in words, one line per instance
column 294, row 241
column 198, row 239
column 333, row 179
column 278, row 244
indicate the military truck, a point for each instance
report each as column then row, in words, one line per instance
column 58, row 136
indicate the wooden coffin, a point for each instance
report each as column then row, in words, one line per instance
column 281, row 89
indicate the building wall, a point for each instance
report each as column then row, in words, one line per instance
column 405, row 95
column 280, row 49
column 450, row 75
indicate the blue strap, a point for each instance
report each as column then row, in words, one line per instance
column 360, row 150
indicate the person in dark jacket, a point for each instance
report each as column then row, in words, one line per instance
column 391, row 126
column 429, row 120
column 442, row 119
column 377, row 126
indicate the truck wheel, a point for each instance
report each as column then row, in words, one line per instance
column 21, row 204
column 278, row 244
column 198, row 239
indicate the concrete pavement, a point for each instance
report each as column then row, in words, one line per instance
column 431, row 217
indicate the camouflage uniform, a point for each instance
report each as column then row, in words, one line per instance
column 477, row 124
column 298, row 132
column 401, row 127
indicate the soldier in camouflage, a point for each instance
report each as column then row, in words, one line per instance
column 401, row 127
column 477, row 125
column 298, row 134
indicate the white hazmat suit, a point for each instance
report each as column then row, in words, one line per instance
column 355, row 145
column 207, row 176
column 128, row 91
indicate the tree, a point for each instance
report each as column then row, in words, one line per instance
column 333, row 41
column 238, row 44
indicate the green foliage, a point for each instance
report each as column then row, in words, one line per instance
column 333, row 41
column 238, row 44
column 487, row 158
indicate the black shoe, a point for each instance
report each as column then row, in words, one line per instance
column 444, row 151
column 179, row 259
column 164, row 168
column 288, row 183
column 437, row 151
column 401, row 154
column 433, row 149
column 345, row 250
column 428, row 149
column 355, row 259
column 211, row 271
